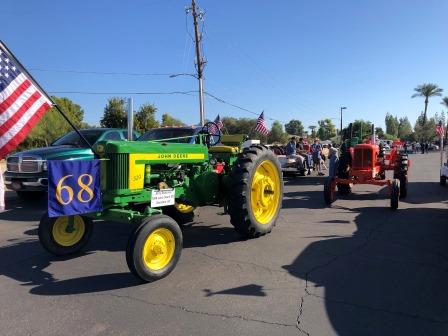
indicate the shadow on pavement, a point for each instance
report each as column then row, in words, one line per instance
column 248, row 290
column 25, row 261
column 388, row 278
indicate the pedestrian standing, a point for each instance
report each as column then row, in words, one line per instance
column 317, row 156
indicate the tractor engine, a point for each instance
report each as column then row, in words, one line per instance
column 365, row 160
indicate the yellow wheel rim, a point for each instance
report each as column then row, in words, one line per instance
column 184, row 208
column 265, row 192
column 68, row 231
column 159, row 249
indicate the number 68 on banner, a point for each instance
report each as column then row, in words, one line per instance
column 73, row 187
column 84, row 187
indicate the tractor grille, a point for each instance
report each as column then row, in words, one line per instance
column 117, row 171
column 362, row 158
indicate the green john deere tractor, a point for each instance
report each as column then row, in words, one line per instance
column 157, row 185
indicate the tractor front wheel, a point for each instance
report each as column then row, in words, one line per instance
column 255, row 192
column 154, row 248
column 395, row 194
column 329, row 191
column 64, row 235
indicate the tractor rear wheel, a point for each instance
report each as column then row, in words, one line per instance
column 255, row 192
column 329, row 192
column 181, row 213
column 344, row 189
column 64, row 235
column 154, row 248
column 395, row 194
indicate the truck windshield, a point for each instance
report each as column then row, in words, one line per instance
column 74, row 139
column 169, row 133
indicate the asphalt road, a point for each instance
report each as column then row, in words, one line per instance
column 357, row 268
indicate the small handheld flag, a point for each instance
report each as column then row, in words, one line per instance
column 440, row 129
column 261, row 126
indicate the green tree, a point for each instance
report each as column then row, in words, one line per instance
column 277, row 134
column 361, row 129
column 391, row 125
column 379, row 132
column 444, row 102
column 294, row 127
column 239, row 125
column 427, row 90
column 425, row 131
column 145, row 118
column 168, row 120
column 53, row 125
column 313, row 131
column 326, row 130
column 404, row 128
column 114, row 115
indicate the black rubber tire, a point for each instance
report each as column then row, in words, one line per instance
column 395, row 194
column 178, row 216
column 238, row 198
column 344, row 189
column 31, row 195
column 136, row 242
column 46, row 239
column 329, row 194
column 403, row 186
column 442, row 180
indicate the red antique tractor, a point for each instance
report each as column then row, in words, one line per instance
column 367, row 163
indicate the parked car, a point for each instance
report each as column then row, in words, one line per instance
column 172, row 134
column 26, row 172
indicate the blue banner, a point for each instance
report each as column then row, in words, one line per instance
column 73, row 187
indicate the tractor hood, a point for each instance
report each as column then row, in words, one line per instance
column 61, row 152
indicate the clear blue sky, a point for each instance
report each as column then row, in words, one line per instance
column 294, row 59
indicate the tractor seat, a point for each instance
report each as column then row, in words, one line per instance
column 224, row 149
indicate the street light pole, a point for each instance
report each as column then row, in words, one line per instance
column 340, row 130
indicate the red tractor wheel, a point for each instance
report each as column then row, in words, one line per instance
column 394, row 194
column 329, row 191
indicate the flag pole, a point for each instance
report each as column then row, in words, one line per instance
column 31, row 78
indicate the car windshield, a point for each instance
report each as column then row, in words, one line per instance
column 169, row 133
column 74, row 139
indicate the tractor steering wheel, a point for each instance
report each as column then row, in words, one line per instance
column 213, row 132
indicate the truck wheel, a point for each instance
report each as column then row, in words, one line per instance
column 442, row 180
column 181, row 213
column 154, row 248
column 395, row 194
column 31, row 195
column 64, row 235
column 329, row 192
column 403, row 186
column 255, row 192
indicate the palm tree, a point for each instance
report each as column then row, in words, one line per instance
column 427, row 90
column 444, row 101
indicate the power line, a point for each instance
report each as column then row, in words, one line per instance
column 101, row 72
column 188, row 93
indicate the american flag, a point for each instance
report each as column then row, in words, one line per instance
column 22, row 103
column 261, row 126
column 213, row 129
column 439, row 129
column 218, row 122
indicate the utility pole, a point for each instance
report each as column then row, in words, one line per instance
column 198, row 14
